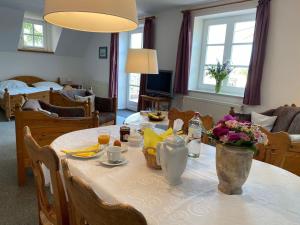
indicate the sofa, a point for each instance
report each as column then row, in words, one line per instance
column 107, row 107
column 283, row 148
column 46, row 122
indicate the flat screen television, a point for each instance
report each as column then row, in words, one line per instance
column 160, row 84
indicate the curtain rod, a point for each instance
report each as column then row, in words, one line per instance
column 215, row 6
column 143, row 18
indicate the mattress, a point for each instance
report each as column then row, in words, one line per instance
column 27, row 90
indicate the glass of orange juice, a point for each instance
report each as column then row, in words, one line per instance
column 104, row 138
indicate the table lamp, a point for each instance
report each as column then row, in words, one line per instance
column 142, row 61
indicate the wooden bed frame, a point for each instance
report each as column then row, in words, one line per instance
column 8, row 102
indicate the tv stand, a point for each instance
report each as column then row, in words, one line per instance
column 155, row 101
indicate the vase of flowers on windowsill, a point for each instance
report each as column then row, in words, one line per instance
column 236, row 143
column 219, row 72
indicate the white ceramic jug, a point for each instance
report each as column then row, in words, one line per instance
column 172, row 155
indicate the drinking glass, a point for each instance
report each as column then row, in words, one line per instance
column 104, row 138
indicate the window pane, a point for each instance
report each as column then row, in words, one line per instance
column 136, row 40
column 27, row 28
column 214, row 54
column 134, row 79
column 241, row 55
column 207, row 79
column 38, row 29
column 28, row 40
column 238, row 78
column 244, row 32
column 134, row 93
column 38, row 41
column 217, row 34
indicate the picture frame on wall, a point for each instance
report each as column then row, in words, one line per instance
column 103, row 52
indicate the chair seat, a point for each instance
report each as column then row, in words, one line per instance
column 106, row 117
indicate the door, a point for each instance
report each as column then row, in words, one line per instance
column 133, row 83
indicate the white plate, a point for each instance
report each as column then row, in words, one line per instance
column 88, row 157
column 104, row 161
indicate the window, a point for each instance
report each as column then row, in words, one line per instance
column 135, row 41
column 33, row 35
column 227, row 39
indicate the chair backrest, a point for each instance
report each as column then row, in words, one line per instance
column 186, row 116
column 56, row 213
column 88, row 209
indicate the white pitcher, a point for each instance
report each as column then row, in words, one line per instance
column 172, row 155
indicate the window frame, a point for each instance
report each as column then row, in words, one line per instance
column 45, row 34
column 230, row 21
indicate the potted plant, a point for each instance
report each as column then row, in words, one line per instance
column 236, row 143
column 219, row 72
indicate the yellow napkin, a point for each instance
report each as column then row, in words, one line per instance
column 84, row 152
column 151, row 139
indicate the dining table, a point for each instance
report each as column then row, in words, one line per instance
column 271, row 195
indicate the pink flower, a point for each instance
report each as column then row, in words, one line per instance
column 244, row 137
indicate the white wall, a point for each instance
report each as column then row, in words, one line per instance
column 47, row 66
column 97, row 70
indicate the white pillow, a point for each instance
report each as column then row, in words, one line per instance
column 48, row 85
column 12, row 84
column 86, row 98
column 266, row 122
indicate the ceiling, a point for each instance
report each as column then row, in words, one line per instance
column 145, row 6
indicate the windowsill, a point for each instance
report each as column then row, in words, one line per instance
column 218, row 94
column 35, row 51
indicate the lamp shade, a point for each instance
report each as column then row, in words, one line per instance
column 142, row 61
column 105, row 16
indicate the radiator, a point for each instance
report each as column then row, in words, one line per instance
column 214, row 108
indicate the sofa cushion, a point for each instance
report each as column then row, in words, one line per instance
column 106, row 117
column 295, row 125
column 31, row 105
column 63, row 111
column 266, row 122
column 285, row 116
column 76, row 92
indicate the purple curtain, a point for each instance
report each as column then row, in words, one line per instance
column 184, row 55
column 148, row 43
column 113, row 68
column 253, row 88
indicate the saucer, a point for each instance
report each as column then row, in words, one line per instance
column 104, row 161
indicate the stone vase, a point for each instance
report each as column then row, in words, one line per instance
column 233, row 168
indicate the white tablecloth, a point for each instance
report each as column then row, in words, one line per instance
column 271, row 195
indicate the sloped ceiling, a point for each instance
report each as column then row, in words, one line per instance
column 10, row 27
column 72, row 43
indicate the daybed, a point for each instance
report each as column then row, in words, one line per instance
column 107, row 107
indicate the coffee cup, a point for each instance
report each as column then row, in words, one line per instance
column 114, row 154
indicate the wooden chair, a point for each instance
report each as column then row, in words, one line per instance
column 57, row 212
column 88, row 209
column 207, row 121
column 45, row 129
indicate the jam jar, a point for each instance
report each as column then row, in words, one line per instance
column 124, row 133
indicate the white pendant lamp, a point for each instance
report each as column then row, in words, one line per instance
column 103, row 16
